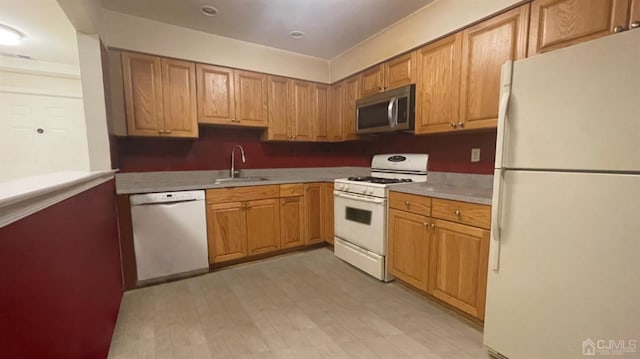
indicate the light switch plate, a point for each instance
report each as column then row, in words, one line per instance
column 475, row 155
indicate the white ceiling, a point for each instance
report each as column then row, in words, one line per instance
column 330, row 26
column 49, row 34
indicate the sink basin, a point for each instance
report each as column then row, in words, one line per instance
column 239, row 179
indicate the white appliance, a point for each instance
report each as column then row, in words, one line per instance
column 169, row 235
column 564, row 266
column 360, row 210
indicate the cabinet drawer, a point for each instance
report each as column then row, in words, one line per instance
column 291, row 190
column 250, row 193
column 410, row 203
column 477, row 215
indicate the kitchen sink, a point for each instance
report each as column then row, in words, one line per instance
column 239, row 179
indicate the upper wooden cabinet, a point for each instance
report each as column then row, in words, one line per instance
column 351, row 92
column 485, row 48
column 561, row 23
column 438, row 85
column 216, row 95
column 372, row 81
column 292, row 109
column 279, row 109
column 160, row 96
column 320, row 119
column 400, row 71
column 336, row 112
column 251, row 99
column 302, row 111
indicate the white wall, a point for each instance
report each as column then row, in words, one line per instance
column 431, row 22
column 38, row 95
column 139, row 34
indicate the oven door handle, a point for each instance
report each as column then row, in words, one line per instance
column 360, row 198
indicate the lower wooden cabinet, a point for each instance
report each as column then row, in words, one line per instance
column 291, row 222
column 227, row 231
column 312, row 213
column 263, row 226
column 408, row 247
column 458, row 268
column 327, row 212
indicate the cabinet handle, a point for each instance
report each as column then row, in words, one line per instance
column 283, row 202
column 457, row 212
column 618, row 28
column 426, row 224
column 460, row 124
column 433, row 226
column 167, row 132
column 635, row 24
column 406, row 203
column 161, row 132
column 453, row 124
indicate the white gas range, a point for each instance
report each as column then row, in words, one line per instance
column 361, row 206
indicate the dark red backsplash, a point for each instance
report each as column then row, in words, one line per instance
column 61, row 279
column 448, row 152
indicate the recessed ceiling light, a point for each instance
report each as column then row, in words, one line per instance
column 209, row 10
column 9, row 36
column 296, row 34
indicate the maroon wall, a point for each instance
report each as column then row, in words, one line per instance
column 448, row 153
column 61, row 280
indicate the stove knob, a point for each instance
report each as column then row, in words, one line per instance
column 346, row 187
column 370, row 190
column 364, row 190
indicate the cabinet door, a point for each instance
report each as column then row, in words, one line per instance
column 561, row 23
column 291, row 222
column 251, row 99
column 142, row 76
column 279, row 116
column 438, row 85
column 263, row 226
column 372, row 81
column 320, row 112
column 301, row 110
column 408, row 247
column 336, row 113
column 327, row 212
column 485, row 48
column 634, row 14
column 312, row 213
column 459, row 255
column 227, row 231
column 400, row 71
column 351, row 94
column 215, row 95
column 179, row 95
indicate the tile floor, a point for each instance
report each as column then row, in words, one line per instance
column 303, row 305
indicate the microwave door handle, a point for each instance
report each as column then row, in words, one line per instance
column 395, row 112
column 392, row 123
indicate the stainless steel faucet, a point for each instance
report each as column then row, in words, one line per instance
column 233, row 160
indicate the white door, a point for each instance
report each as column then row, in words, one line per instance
column 569, row 264
column 361, row 220
column 577, row 108
column 41, row 134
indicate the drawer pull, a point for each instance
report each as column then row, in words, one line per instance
column 406, row 203
column 457, row 212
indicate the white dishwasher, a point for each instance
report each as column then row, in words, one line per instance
column 169, row 235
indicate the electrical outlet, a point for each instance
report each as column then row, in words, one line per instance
column 475, row 155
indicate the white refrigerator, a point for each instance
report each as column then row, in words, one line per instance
column 564, row 266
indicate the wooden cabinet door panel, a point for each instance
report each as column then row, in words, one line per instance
column 561, row 23
column 291, row 222
column 312, row 211
column 408, row 247
column 438, row 92
column 336, row 113
column 179, row 94
column 320, row 112
column 142, row 76
column 351, row 94
column 400, row 71
column 301, row 110
column 485, row 48
column 327, row 212
column 251, row 98
column 459, row 255
column 372, row 81
column 215, row 95
column 263, row 226
column 279, row 109
column 227, row 231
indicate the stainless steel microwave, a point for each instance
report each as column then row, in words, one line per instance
column 388, row 111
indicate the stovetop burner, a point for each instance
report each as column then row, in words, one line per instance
column 379, row 179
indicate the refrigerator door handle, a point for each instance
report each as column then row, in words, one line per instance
column 496, row 213
column 505, row 94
